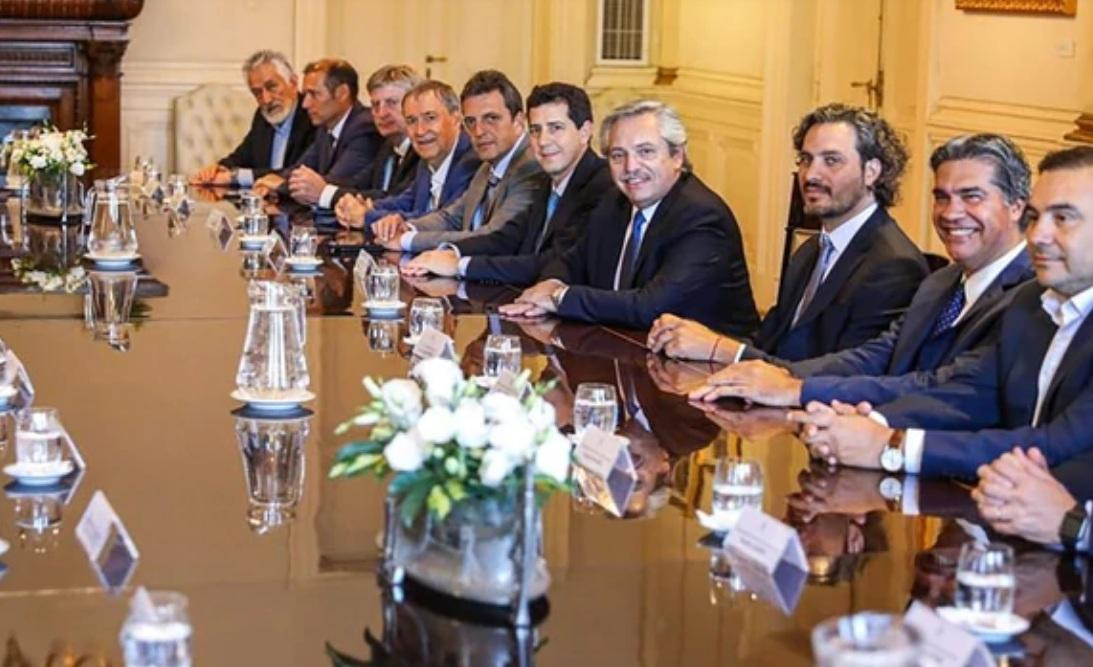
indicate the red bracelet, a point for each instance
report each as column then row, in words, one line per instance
column 713, row 352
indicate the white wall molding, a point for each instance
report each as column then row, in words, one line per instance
column 1025, row 124
column 746, row 90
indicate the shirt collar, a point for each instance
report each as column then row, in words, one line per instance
column 501, row 166
column 441, row 172
column 285, row 126
column 403, row 147
column 979, row 281
column 559, row 189
column 648, row 212
column 1063, row 310
column 844, row 233
column 337, row 131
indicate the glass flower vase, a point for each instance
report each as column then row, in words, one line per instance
column 56, row 196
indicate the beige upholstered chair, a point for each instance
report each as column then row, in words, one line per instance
column 210, row 121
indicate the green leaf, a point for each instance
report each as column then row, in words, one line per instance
column 455, row 489
column 414, row 499
column 403, row 481
column 352, row 450
column 337, row 470
column 439, row 503
column 361, row 463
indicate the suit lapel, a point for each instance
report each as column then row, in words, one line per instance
column 844, row 267
column 583, row 171
column 657, row 230
column 918, row 323
column 1077, row 357
column 263, row 151
column 503, row 185
column 475, row 191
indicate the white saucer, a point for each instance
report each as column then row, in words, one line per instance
column 991, row 628
column 303, row 263
column 484, row 381
column 112, row 260
column 248, row 241
column 384, row 307
column 39, row 474
column 4, row 546
column 717, row 523
column 410, row 340
column 287, row 402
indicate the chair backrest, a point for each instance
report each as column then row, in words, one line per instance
column 799, row 227
column 210, row 121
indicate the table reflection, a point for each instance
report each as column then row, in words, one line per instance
column 272, row 450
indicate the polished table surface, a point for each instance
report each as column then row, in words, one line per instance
column 155, row 425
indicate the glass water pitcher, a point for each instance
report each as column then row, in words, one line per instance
column 112, row 232
column 273, row 365
column 110, row 302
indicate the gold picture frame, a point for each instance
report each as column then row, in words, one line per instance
column 1061, row 7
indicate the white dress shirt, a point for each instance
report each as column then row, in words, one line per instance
column 329, row 191
column 281, row 134
column 978, row 282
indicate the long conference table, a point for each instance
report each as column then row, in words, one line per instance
column 155, row 423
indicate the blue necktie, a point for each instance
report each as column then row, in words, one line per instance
column 552, row 205
column 949, row 314
column 388, row 171
column 630, row 253
column 827, row 249
column 487, row 198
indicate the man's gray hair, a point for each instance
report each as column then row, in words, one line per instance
column 275, row 58
column 671, row 125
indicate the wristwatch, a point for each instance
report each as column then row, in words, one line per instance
column 1070, row 530
column 891, row 489
column 557, row 295
column 891, row 459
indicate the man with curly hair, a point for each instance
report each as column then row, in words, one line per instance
column 843, row 286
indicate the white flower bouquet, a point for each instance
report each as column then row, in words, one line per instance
column 50, row 150
column 449, row 443
column 30, row 271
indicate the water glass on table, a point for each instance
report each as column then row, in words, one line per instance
column 303, row 242
column 737, row 485
column 255, row 223
column 39, row 436
column 425, row 313
column 595, row 404
column 382, row 285
column 986, row 578
column 866, row 638
column 158, row 636
column 502, row 354
column 250, row 202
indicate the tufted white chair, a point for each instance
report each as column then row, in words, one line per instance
column 210, row 121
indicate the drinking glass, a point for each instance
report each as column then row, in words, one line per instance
column 383, row 284
column 866, row 638
column 985, row 578
column 177, row 189
column 737, row 485
column 303, row 242
column 39, row 436
column 250, row 202
column 160, row 638
column 382, row 335
column 502, row 354
column 425, row 313
column 255, row 223
column 595, row 404
column 273, row 460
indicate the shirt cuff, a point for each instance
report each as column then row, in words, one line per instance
column 461, row 291
column 244, row 177
column 913, row 443
column 739, row 353
column 327, row 196
column 447, row 245
column 1084, row 543
column 407, row 241
column 461, row 271
column 909, row 499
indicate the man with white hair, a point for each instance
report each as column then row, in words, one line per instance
column 279, row 133
column 663, row 243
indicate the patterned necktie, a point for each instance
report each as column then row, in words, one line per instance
column 552, row 205
column 326, row 154
column 630, row 253
column 484, row 205
column 951, row 311
column 827, row 249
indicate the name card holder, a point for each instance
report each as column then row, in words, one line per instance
column 945, row 644
column 511, row 384
column 16, row 375
column 770, row 553
column 432, row 343
column 110, row 550
column 605, row 469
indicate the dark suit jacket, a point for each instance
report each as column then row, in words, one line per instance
column 986, row 406
column 870, row 285
column 508, row 255
column 350, row 163
column 414, row 200
column 691, row 264
column 255, row 151
column 888, row 366
column 401, row 178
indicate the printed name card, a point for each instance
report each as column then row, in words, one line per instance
column 111, row 551
column 15, row 373
column 598, row 451
column 945, row 644
column 510, row 384
column 605, row 469
column 432, row 343
column 364, row 265
column 765, row 540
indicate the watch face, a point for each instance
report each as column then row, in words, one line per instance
column 891, row 460
column 891, row 488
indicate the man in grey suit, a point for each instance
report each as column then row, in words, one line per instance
column 493, row 115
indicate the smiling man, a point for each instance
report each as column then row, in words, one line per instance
column 981, row 186
column 846, row 284
column 1030, row 388
column 493, row 116
column 345, row 143
column 279, row 133
column 575, row 180
column 663, row 242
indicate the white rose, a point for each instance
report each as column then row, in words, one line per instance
column 495, row 467
column 470, row 430
column 541, row 415
column 500, row 407
column 405, row 452
column 77, row 168
column 402, row 399
column 437, row 425
column 37, row 162
column 553, row 457
column 442, row 378
column 514, row 436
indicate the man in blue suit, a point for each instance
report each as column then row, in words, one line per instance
column 846, row 284
column 1030, row 388
column 981, row 186
column 433, row 122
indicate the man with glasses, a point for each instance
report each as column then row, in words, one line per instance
column 493, row 116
